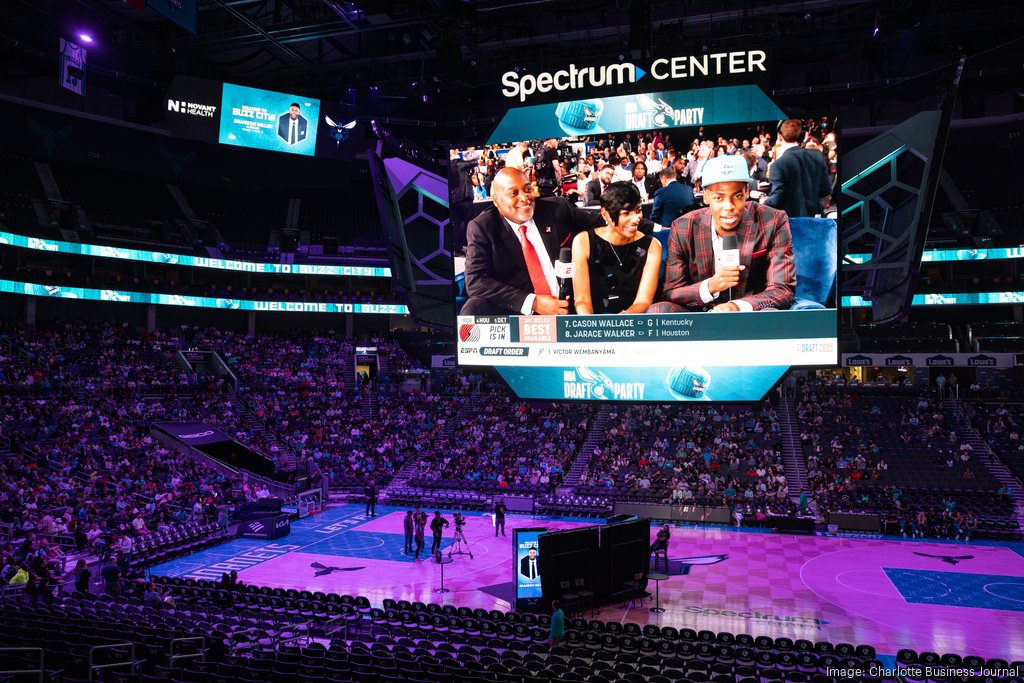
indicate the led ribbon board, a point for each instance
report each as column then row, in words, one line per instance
column 942, row 255
column 61, row 292
column 949, row 299
column 169, row 259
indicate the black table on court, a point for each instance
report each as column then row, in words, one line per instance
column 657, row 579
column 443, row 561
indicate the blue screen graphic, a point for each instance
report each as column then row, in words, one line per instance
column 263, row 119
column 527, row 565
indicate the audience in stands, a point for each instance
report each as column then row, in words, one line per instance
column 692, row 455
column 897, row 453
column 506, row 445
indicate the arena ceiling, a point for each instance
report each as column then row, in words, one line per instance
column 442, row 59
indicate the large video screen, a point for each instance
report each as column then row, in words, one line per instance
column 263, row 119
column 527, row 563
column 670, row 264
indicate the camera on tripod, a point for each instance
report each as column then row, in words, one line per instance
column 460, row 546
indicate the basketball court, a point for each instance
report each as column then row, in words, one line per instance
column 889, row 593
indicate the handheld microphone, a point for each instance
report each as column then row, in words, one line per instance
column 730, row 254
column 563, row 273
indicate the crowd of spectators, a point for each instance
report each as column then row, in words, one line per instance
column 506, row 445
column 303, row 389
column 651, row 150
column 1002, row 427
column 894, row 452
column 92, row 479
column 692, row 455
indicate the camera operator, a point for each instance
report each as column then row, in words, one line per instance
column 436, row 526
column 549, row 169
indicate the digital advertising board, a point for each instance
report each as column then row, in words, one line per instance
column 212, row 111
column 527, row 563
column 263, row 119
column 650, row 329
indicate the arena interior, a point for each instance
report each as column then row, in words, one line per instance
column 232, row 376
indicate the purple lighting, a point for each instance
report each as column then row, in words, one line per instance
column 85, row 37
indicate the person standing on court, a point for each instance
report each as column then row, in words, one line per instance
column 499, row 516
column 437, row 525
column 409, row 527
column 371, row 499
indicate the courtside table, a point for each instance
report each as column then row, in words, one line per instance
column 443, row 561
column 657, row 579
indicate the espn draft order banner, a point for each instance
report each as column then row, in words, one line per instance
column 675, row 357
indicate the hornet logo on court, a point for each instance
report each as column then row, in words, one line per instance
column 699, row 561
column 948, row 559
column 322, row 570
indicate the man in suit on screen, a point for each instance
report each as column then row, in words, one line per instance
column 291, row 127
column 596, row 187
column 800, row 181
column 701, row 275
column 511, row 249
column 671, row 200
column 529, row 566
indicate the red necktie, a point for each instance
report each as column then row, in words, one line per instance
column 540, row 283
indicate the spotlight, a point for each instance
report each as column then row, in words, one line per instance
column 85, row 37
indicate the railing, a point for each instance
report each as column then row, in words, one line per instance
column 276, row 488
column 10, row 591
column 304, row 631
column 310, row 501
column 63, row 540
column 41, row 671
column 220, row 365
column 336, row 625
column 235, row 638
column 93, row 668
column 173, row 658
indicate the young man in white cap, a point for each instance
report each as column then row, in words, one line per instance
column 731, row 255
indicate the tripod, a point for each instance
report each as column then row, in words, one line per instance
column 460, row 546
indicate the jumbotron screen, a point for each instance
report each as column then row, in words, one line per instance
column 652, row 264
column 263, row 119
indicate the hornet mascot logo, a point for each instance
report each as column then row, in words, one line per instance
column 660, row 110
column 700, row 561
column 339, row 132
column 322, row 570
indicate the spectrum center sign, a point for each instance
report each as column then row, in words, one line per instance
column 521, row 86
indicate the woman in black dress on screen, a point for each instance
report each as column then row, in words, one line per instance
column 615, row 267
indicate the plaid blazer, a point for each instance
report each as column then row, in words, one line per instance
column 766, row 249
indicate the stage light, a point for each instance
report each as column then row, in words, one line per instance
column 85, row 37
